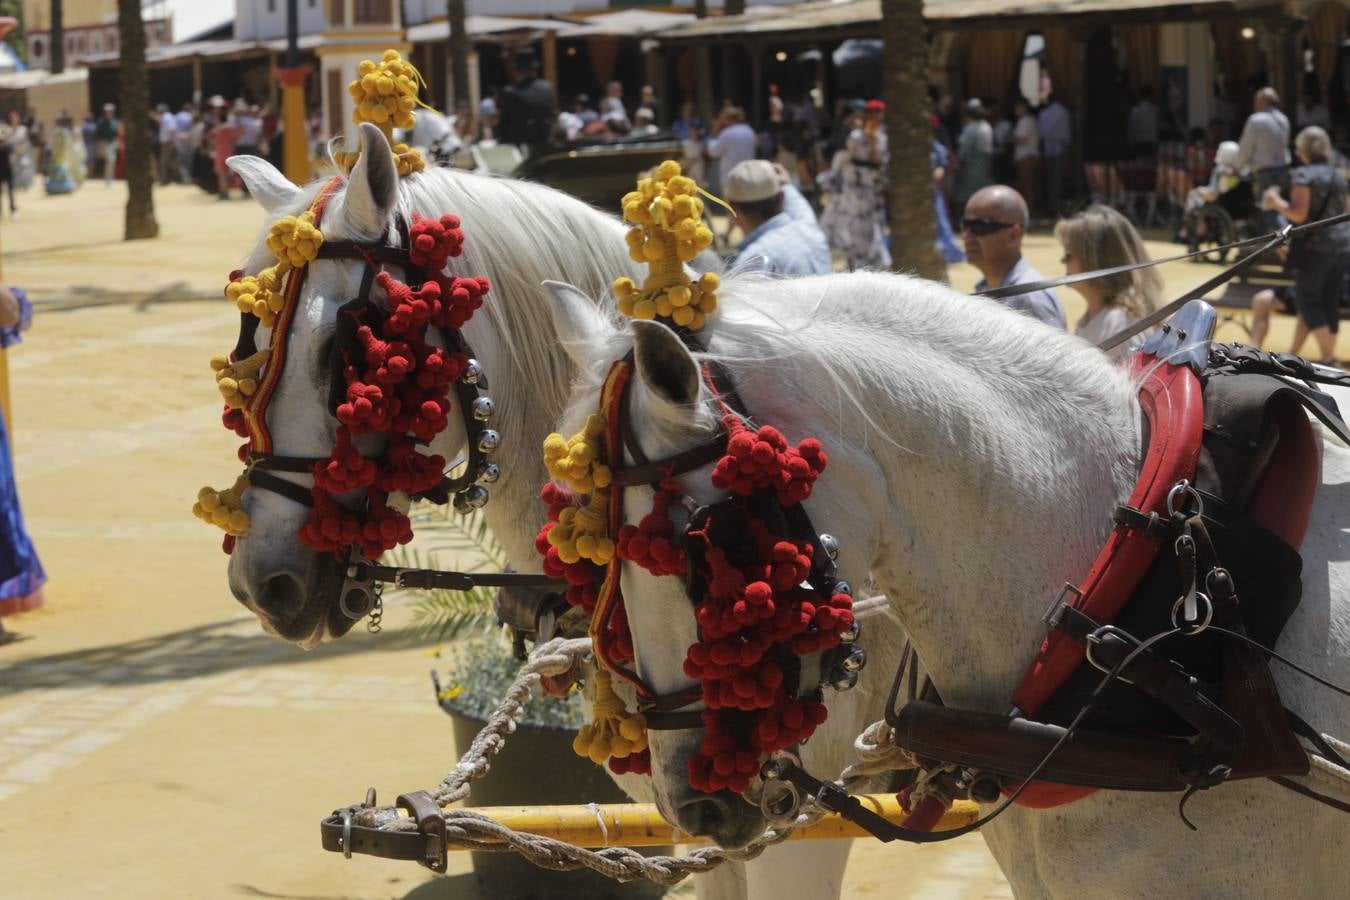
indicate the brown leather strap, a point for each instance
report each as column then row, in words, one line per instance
column 672, row 466
column 289, row 489
column 1015, row 746
column 426, row 812
column 277, row 463
column 352, row 250
column 455, row 581
column 368, row 840
column 688, row 720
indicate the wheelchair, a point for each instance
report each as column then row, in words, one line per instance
column 1233, row 217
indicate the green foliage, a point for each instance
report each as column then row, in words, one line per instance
column 480, row 674
column 465, row 541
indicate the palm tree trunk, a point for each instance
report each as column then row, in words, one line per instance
column 459, row 53
column 910, row 137
column 733, row 7
column 703, row 70
column 58, row 37
column 140, row 219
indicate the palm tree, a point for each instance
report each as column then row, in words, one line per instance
column 910, row 136
column 140, row 219
column 58, row 38
column 459, row 54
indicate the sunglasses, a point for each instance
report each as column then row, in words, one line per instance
column 982, row 227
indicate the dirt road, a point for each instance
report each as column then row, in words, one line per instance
column 153, row 743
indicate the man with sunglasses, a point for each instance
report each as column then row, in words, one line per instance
column 992, row 229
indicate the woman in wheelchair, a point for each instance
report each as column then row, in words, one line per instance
column 1216, row 211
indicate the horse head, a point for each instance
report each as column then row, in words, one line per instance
column 670, row 409
column 293, row 588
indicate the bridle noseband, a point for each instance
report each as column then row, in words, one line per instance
column 360, row 595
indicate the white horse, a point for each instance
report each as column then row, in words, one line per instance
column 517, row 234
column 975, row 458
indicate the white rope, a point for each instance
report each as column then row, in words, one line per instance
column 475, row 831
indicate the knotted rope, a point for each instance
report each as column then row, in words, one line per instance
column 475, row 831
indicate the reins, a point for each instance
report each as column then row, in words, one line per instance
column 1267, row 243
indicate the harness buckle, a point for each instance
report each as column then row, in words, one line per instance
column 1191, row 622
column 1097, row 638
column 1184, row 488
column 1055, row 611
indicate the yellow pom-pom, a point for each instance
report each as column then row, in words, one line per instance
column 644, row 309
column 668, row 170
column 663, row 305
column 683, row 316
column 224, row 509
column 709, row 281
column 707, row 303
column 238, row 381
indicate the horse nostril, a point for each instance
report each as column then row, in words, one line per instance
column 703, row 817
column 282, row 597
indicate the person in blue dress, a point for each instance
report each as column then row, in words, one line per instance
column 947, row 244
column 21, row 574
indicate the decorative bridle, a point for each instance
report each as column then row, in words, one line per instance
column 762, row 581
column 385, row 376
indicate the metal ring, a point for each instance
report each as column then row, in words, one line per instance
column 1189, row 628
column 788, row 790
column 365, row 591
column 347, row 833
column 1184, row 487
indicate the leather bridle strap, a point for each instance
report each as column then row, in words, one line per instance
column 374, row 253
column 289, row 489
column 672, row 466
column 431, row 579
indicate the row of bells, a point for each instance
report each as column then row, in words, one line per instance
column 851, row 659
column 476, row 495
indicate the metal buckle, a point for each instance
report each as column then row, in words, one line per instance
column 347, row 833
column 1054, row 612
column 1184, row 488
column 1094, row 640
column 1191, row 628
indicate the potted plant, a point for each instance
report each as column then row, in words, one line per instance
column 537, row 767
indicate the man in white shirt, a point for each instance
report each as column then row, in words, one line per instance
column 733, row 142
column 1264, row 149
column 183, row 121
column 992, row 228
column 168, row 150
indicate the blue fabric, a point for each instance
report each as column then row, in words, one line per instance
column 787, row 246
column 948, row 246
column 1043, row 305
column 20, row 571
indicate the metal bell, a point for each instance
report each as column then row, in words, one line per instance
column 843, row 587
column 843, row 681
column 489, row 440
column 483, row 409
column 488, row 473
column 473, row 372
column 851, row 634
column 830, row 545
column 462, row 505
column 856, row 659
column 474, row 497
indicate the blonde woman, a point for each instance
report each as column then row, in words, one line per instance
column 1101, row 238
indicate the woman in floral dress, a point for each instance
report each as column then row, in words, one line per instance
column 855, row 219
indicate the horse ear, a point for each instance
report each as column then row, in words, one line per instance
column 372, row 188
column 269, row 187
column 577, row 321
column 664, row 364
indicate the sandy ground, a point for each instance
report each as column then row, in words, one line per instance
column 153, row 743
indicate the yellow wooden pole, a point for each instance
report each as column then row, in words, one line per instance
column 295, row 144
column 640, row 825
